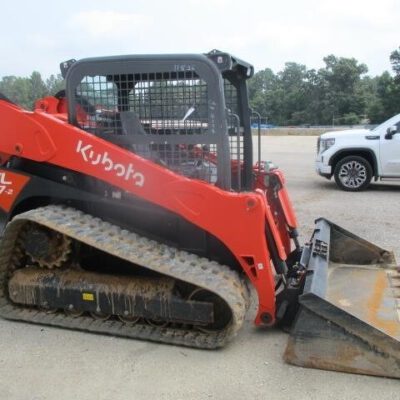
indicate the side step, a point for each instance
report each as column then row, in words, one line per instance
column 349, row 317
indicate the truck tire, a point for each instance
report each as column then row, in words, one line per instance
column 353, row 173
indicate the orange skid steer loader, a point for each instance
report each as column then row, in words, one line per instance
column 130, row 205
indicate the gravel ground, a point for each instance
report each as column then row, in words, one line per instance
column 40, row 363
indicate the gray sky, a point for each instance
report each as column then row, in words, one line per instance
column 39, row 35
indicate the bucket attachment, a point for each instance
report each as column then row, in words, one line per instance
column 348, row 318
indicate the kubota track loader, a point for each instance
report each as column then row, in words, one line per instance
column 130, row 206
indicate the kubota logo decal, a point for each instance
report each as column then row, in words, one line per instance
column 11, row 185
column 104, row 160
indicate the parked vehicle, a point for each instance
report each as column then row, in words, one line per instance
column 356, row 156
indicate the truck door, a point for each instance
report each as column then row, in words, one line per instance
column 390, row 152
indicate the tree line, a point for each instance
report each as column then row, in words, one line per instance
column 25, row 90
column 339, row 93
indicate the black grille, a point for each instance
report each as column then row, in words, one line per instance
column 166, row 115
column 164, row 105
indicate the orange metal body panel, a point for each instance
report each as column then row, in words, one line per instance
column 237, row 219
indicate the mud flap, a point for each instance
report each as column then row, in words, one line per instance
column 348, row 318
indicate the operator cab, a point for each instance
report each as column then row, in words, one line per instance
column 189, row 113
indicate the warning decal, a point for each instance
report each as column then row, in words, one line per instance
column 11, row 185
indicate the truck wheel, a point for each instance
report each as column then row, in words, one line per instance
column 353, row 173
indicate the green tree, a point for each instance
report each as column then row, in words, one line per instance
column 38, row 88
column 379, row 107
column 261, row 87
column 341, row 91
column 17, row 89
column 24, row 91
column 395, row 60
column 55, row 83
column 393, row 99
column 294, row 87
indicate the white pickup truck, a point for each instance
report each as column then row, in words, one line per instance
column 355, row 156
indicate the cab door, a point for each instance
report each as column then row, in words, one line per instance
column 390, row 153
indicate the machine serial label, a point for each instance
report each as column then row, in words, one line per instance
column 88, row 296
column 89, row 155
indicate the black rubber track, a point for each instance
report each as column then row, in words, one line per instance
column 136, row 249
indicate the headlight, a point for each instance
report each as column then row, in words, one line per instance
column 325, row 144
